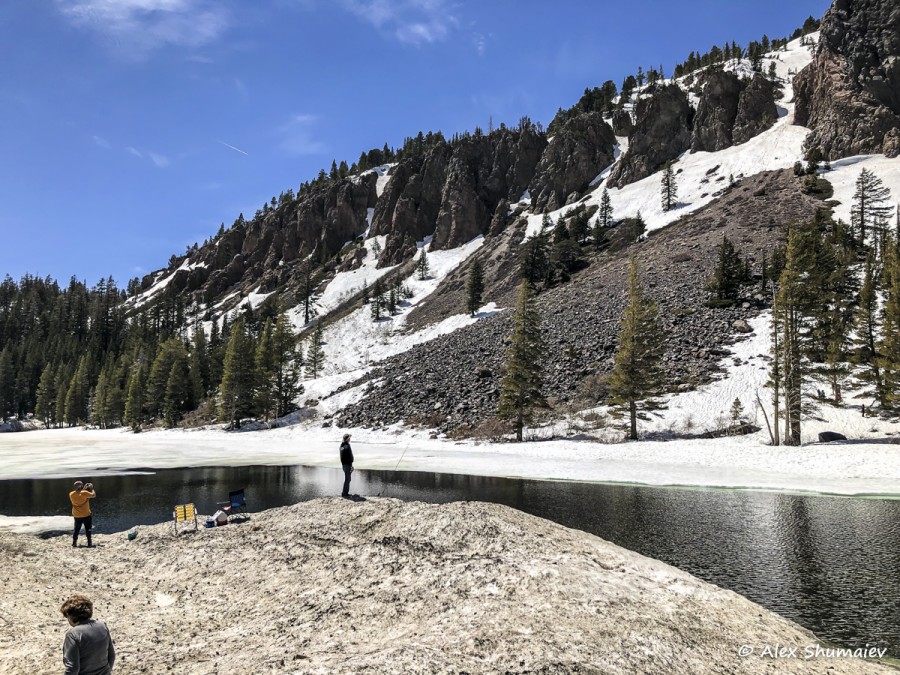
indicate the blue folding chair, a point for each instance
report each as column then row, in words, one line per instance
column 236, row 504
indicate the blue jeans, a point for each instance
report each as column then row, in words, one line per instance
column 348, row 469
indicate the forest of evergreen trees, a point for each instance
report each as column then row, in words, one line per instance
column 80, row 355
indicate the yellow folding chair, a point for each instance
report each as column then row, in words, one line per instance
column 185, row 513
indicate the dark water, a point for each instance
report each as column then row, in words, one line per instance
column 831, row 564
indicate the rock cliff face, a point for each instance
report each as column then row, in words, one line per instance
column 757, row 111
column 732, row 111
column 661, row 133
column 850, row 94
column 578, row 152
column 260, row 251
column 454, row 190
column 716, row 112
column 409, row 206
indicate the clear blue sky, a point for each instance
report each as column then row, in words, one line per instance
column 116, row 113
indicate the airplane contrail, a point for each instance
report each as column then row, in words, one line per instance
column 234, row 148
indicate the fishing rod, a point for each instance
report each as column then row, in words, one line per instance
column 402, row 455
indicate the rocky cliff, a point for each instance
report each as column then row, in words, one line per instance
column 582, row 148
column 850, row 94
column 731, row 111
column 454, row 190
column 661, row 132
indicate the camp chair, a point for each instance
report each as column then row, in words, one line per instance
column 184, row 513
column 236, row 504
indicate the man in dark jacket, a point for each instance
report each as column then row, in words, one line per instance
column 347, row 463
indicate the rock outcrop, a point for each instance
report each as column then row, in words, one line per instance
column 716, row 112
column 661, row 133
column 260, row 251
column 757, row 111
column 453, row 191
column 850, row 94
column 583, row 147
column 408, row 208
column 622, row 123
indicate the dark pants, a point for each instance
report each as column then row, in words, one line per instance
column 87, row 522
column 347, row 471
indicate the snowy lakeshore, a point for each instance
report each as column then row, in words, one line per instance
column 866, row 467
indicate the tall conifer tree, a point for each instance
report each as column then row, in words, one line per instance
column 636, row 375
column 474, row 287
column 521, row 390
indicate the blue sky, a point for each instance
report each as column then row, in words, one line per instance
column 132, row 128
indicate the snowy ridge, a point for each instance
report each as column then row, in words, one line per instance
column 702, row 176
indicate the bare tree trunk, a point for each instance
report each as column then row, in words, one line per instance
column 632, row 409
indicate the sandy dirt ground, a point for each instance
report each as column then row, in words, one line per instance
column 384, row 586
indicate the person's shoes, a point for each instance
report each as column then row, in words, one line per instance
column 74, row 545
column 90, row 546
column 345, row 497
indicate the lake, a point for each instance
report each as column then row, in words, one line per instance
column 829, row 563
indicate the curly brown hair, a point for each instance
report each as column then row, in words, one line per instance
column 77, row 607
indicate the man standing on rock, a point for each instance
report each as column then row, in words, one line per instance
column 347, row 463
column 81, row 510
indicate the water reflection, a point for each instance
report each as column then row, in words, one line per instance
column 830, row 564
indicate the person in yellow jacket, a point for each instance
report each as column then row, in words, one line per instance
column 81, row 510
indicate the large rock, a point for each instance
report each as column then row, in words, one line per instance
column 662, row 132
column 757, row 111
column 850, row 94
column 716, row 112
column 583, row 147
column 622, row 123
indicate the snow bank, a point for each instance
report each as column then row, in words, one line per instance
column 332, row 585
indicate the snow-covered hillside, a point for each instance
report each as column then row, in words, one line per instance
column 702, row 176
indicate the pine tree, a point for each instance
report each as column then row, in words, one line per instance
column 378, row 301
column 238, row 376
column 669, row 188
column 725, row 284
column 44, row 407
column 286, row 366
column 200, row 366
column 98, row 402
column 135, row 400
column 889, row 343
column 7, row 383
column 306, row 289
column 63, row 377
column 636, row 375
column 534, row 265
column 603, row 221
column 800, row 305
column 392, row 301
column 521, row 391
column 474, row 287
column 77, row 395
column 870, row 207
column 867, row 330
column 265, row 372
column 177, row 395
column 422, row 266
column 315, row 355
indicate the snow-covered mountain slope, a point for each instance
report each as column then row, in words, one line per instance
column 702, row 176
